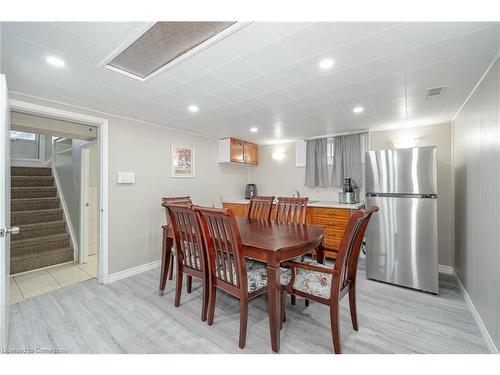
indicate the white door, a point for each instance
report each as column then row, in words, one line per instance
column 4, row 211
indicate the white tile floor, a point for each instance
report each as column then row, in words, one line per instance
column 34, row 283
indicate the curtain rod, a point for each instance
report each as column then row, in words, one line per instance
column 338, row 134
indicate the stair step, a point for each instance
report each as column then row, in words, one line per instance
column 38, row 216
column 39, row 230
column 32, row 204
column 30, row 171
column 39, row 244
column 33, row 192
column 23, row 263
column 31, row 181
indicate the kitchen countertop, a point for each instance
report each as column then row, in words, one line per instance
column 312, row 203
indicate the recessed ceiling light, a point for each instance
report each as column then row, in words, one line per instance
column 193, row 108
column 326, row 64
column 358, row 109
column 254, row 129
column 55, row 61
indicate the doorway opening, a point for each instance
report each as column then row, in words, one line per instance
column 57, row 199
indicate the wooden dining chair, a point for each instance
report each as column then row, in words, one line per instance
column 291, row 210
column 260, row 207
column 190, row 251
column 320, row 283
column 168, row 251
column 228, row 269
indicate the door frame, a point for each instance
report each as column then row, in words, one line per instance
column 103, row 141
column 83, row 252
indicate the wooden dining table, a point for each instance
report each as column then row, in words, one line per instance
column 270, row 243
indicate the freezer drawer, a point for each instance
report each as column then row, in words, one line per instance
column 401, row 242
column 402, row 171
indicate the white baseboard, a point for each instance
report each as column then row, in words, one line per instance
column 477, row 318
column 448, row 270
column 132, row 271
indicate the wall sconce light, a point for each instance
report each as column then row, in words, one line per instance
column 405, row 142
column 278, row 155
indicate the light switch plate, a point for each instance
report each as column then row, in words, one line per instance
column 126, row 177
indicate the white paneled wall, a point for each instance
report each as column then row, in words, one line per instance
column 477, row 200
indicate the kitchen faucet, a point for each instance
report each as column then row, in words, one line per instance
column 296, row 193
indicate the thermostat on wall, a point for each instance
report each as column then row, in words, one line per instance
column 126, row 177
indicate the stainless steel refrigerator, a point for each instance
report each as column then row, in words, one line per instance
column 402, row 238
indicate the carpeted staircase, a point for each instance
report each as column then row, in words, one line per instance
column 36, row 209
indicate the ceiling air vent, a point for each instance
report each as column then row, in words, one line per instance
column 435, row 92
column 163, row 43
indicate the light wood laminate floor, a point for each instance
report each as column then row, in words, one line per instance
column 128, row 316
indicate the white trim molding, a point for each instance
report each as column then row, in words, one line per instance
column 103, row 134
column 132, row 271
column 477, row 318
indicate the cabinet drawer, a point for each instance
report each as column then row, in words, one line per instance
column 331, row 222
column 331, row 212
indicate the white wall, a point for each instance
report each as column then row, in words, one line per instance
column 476, row 134
column 433, row 135
column 281, row 177
column 135, row 214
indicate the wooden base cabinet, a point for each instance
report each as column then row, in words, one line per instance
column 334, row 221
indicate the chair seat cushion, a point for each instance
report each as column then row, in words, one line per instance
column 257, row 275
column 313, row 282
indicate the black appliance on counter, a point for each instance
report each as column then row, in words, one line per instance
column 250, row 191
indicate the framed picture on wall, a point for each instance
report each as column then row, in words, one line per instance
column 182, row 161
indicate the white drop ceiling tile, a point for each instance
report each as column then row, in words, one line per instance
column 283, row 29
column 350, row 91
column 275, row 97
column 395, row 80
column 59, row 41
column 380, row 68
column 211, row 102
column 352, row 31
column 269, row 58
column 185, row 70
column 249, row 38
column 348, row 104
column 170, row 101
column 233, row 94
column 230, row 110
column 209, row 83
column 288, row 76
column 313, row 100
column 188, row 92
column 302, row 89
column 312, row 40
column 108, row 35
column 377, row 46
column 258, row 85
column 476, row 42
column 164, row 82
column 421, row 33
column 213, row 56
column 251, row 104
column 236, row 71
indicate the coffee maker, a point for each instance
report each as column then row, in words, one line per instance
column 348, row 194
column 250, row 191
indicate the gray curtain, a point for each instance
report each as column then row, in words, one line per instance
column 347, row 159
column 317, row 173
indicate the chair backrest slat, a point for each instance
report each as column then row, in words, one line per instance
column 350, row 246
column 223, row 242
column 186, row 200
column 188, row 236
column 291, row 210
column 260, row 207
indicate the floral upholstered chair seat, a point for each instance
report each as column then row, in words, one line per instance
column 313, row 282
column 257, row 275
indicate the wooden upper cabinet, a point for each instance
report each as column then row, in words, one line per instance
column 232, row 150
